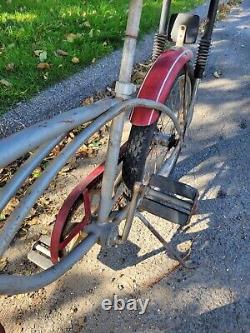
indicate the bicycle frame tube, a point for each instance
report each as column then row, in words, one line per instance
column 127, row 64
column 20, row 284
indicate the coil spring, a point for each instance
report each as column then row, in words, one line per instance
column 202, row 57
column 159, row 45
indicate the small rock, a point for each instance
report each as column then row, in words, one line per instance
column 217, row 74
column 120, row 286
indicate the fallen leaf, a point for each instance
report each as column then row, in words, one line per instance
column 43, row 56
column 22, row 232
column 91, row 33
column 5, row 83
column 3, row 263
column 10, row 67
column 75, row 60
column 37, row 173
column 61, row 53
column 37, row 52
column 71, row 37
column 43, row 65
column 35, row 220
column 86, row 24
column 12, row 204
column 56, row 151
column 88, row 101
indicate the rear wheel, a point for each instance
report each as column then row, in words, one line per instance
column 150, row 146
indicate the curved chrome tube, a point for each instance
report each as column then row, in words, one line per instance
column 32, row 137
column 25, row 170
column 16, row 284
column 14, row 222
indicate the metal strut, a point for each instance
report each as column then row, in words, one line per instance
column 169, row 248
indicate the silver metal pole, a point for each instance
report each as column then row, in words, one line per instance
column 126, row 70
column 164, row 16
column 15, row 220
column 17, row 284
column 30, row 138
column 193, row 101
column 131, row 211
column 25, row 170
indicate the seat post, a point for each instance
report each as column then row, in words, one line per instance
column 124, row 88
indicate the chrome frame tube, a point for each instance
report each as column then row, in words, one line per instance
column 168, row 166
column 17, row 284
column 24, row 171
column 30, row 138
column 131, row 211
column 190, row 112
column 126, row 70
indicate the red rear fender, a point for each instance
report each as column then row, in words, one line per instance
column 158, row 83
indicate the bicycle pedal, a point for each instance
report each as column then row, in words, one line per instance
column 173, row 201
column 40, row 253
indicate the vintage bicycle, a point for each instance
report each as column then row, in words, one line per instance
column 136, row 176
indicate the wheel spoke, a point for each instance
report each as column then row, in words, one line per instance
column 164, row 145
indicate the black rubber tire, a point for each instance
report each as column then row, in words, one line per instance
column 138, row 145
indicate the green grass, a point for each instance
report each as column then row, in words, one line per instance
column 87, row 30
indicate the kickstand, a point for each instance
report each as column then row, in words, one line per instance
column 169, row 248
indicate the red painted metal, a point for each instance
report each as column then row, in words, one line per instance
column 58, row 243
column 2, row 330
column 82, row 189
column 158, row 83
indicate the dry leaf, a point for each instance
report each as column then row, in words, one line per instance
column 38, row 52
column 3, row 263
column 12, row 204
column 71, row 37
column 56, row 151
column 10, row 67
column 43, row 56
column 6, row 83
column 43, row 66
column 75, row 60
column 22, row 232
column 37, row 172
column 88, row 101
column 33, row 221
column 86, row 24
column 61, row 53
